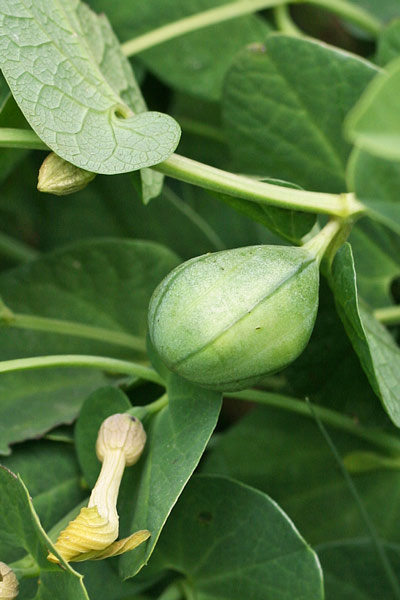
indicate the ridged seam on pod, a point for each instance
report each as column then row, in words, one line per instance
column 227, row 320
column 8, row 583
column 120, row 443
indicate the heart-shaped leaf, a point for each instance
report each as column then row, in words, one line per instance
column 50, row 65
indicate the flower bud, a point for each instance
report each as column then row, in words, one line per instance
column 8, row 583
column 58, row 176
column 121, row 432
column 227, row 320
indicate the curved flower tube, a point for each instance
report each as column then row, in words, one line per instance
column 92, row 534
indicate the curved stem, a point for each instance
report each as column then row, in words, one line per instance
column 157, row 405
column 149, row 409
column 211, row 178
column 104, row 363
column 195, row 22
column 349, row 11
column 320, row 242
column 25, row 567
column 389, row 315
column 284, row 22
column 332, row 418
column 236, row 9
column 33, row 322
column 21, row 138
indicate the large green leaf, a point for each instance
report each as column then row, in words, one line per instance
column 53, row 67
column 377, row 260
column 20, row 526
column 376, row 349
column 284, row 455
column 50, row 471
column 101, row 580
column 202, row 135
column 375, row 181
column 232, row 541
column 328, row 358
column 352, row 571
column 284, row 104
column 177, row 436
column 374, row 123
column 195, row 62
column 105, row 283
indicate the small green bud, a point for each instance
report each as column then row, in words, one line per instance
column 227, row 320
column 8, row 583
column 59, row 177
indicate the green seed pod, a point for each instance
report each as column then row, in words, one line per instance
column 227, row 320
column 59, row 177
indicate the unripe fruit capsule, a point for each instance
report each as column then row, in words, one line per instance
column 227, row 320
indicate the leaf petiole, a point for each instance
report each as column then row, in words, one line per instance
column 389, row 315
column 104, row 363
column 319, row 244
column 33, row 322
column 284, row 22
column 21, row 138
column 239, row 186
column 141, row 412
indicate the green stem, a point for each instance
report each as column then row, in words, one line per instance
column 349, row 11
column 32, row 322
column 389, row 315
column 196, row 22
column 217, row 180
column 284, row 21
column 79, row 360
column 25, row 567
column 369, row 525
column 16, row 250
column 332, row 418
column 21, row 138
column 149, row 409
column 236, row 9
column 319, row 244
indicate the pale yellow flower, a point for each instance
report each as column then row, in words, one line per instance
column 92, row 534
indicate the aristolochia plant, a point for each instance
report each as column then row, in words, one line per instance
column 258, row 261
